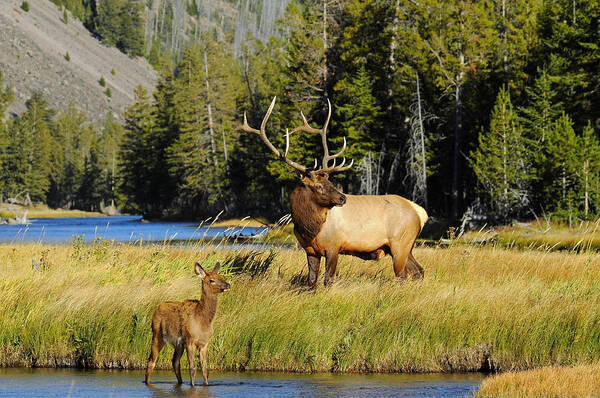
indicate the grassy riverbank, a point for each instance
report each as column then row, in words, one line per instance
column 476, row 309
column 43, row 211
column 583, row 236
column 547, row 382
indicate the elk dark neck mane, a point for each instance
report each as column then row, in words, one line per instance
column 207, row 306
column 307, row 215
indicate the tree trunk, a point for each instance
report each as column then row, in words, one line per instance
column 423, row 170
column 213, row 146
column 325, row 71
column 456, row 155
column 586, row 205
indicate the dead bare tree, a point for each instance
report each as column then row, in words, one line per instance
column 416, row 162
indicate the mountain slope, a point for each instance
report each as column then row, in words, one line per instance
column 32, row 58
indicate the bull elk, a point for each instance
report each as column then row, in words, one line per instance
column 187, row 325
column 328, row 223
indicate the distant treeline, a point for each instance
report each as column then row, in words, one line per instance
column 119, row 23
column 455, row 104
column 58, row 158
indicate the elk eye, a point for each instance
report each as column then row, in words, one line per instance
column 212, row 281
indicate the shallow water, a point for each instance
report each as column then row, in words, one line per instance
column 119, row 229
column 77, row 383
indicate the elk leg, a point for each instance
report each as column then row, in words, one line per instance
column 177, row 362
column 191, row 353
column 157, row 345
column 417, row 272
column 314, row 263
column 400, row 258
column 331, row 259
column 204, row 362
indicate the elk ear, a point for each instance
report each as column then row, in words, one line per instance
column 199, row 270
column 306, row 180
column 217, row 268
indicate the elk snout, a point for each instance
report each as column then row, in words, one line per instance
column 342, row 200
column 226, row 287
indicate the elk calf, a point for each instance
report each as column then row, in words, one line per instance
column 187, row 325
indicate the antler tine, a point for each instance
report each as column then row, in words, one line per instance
column 263, row 136
column 287, row 142
column 337, row 169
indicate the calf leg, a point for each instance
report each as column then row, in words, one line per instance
column 330, row 265
column 177, row 362
column 191, row 353
column 157, row 345
column 314, row 263
column 204, row 362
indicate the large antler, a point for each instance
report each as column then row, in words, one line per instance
column 263, row 136
column 323, row 133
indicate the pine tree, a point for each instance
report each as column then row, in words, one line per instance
column 460, row 37
column 203, row 103
column 72, row 138
column 500, row 161
column 562, row 167
column 89, row 196
column 539, row 119
column 589, row 169
column 6, row 96
column 27, row 161
column 543, row 110
column 135, row 156
column 567, row 42
column 108, row 152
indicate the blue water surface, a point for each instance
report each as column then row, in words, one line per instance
column 120, row 229
column 29, row 383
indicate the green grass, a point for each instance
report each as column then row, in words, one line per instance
column 89, row 306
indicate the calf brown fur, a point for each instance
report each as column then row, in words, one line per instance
column 187, row 325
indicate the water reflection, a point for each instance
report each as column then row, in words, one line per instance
column 75, row 383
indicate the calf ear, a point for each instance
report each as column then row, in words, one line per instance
column 199, row 270
column 217, row 268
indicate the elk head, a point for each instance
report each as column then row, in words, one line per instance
column 316, row 179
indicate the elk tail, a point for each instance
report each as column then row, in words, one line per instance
column 421, row 213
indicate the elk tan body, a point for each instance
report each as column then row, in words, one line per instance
column 366, row 226
column 187, row 326
column 328, row 223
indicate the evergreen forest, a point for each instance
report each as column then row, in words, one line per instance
column 490, row 106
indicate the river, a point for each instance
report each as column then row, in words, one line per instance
column 120, row 229
column 29, row 383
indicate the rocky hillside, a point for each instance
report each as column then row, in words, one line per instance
column 33, row 46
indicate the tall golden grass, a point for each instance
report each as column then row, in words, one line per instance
column 476, row 309
column 547, row 382
column 581, row 237
column 43, row 211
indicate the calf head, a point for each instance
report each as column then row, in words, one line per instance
column 212, row 282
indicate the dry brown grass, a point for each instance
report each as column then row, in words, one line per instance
column 547, row 382
column 241, row 222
